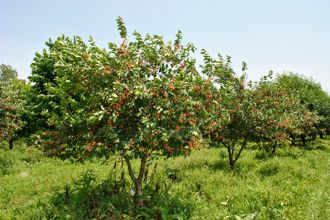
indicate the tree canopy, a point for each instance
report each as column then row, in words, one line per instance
column 137, row 98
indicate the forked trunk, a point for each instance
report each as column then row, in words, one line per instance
column 231, row 154
column 231, row 164
column 137, row 181
column 138, row 193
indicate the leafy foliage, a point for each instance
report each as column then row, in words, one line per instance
column 7, row 74
column 136, row 98
column 229, row 123
column 11, row 104
column 314, row 103
column 144, row 98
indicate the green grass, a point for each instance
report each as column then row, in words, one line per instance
column 294, row 184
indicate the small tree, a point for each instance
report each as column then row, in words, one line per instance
column 11, row 107
column 229, row 121
column 7, row 74
column 274, row 113
column 314, row 102
column 258, row 112
column 137, row 98
column 306, row 124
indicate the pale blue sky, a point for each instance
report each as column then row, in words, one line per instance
column 282, row 35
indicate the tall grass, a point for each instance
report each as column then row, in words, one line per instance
column 293, row 184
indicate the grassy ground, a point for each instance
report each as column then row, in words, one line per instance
column 294, row 184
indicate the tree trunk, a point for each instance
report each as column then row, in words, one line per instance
column 137, row 181
column 321, row 135
column 303, row 139
column 11, row 144
column 231, row 164
column 138, row 193
column 314, row 136
column 230, row 158
column 231, row 154
column 293, row 140
column 274, row 148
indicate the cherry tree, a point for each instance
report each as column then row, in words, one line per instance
column 137, row 99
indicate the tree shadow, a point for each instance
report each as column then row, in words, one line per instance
column 241, row 170
column 321, row 147
column 311, row 145
column 88, row 198
column 262, row 155
column 221, row 164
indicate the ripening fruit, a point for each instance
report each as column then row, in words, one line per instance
column 129, row 66
column 91, row 146
column 107, row 70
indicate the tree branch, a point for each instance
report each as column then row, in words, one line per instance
column 130, row 168
column 142, row 168
column 240, row 150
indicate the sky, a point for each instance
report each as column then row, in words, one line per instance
column 278, row 35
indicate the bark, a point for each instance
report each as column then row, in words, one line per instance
column 274, row 148
column 231, row 154
column 321, row 135
column 231, row 158
column 231, row 164
column 137, row 181
column 293, row 140
column 327, row 131
column 303, row 139
column 11, row 144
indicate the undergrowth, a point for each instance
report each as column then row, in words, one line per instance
column 293, row 184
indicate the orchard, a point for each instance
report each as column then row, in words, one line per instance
column 145, row 99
